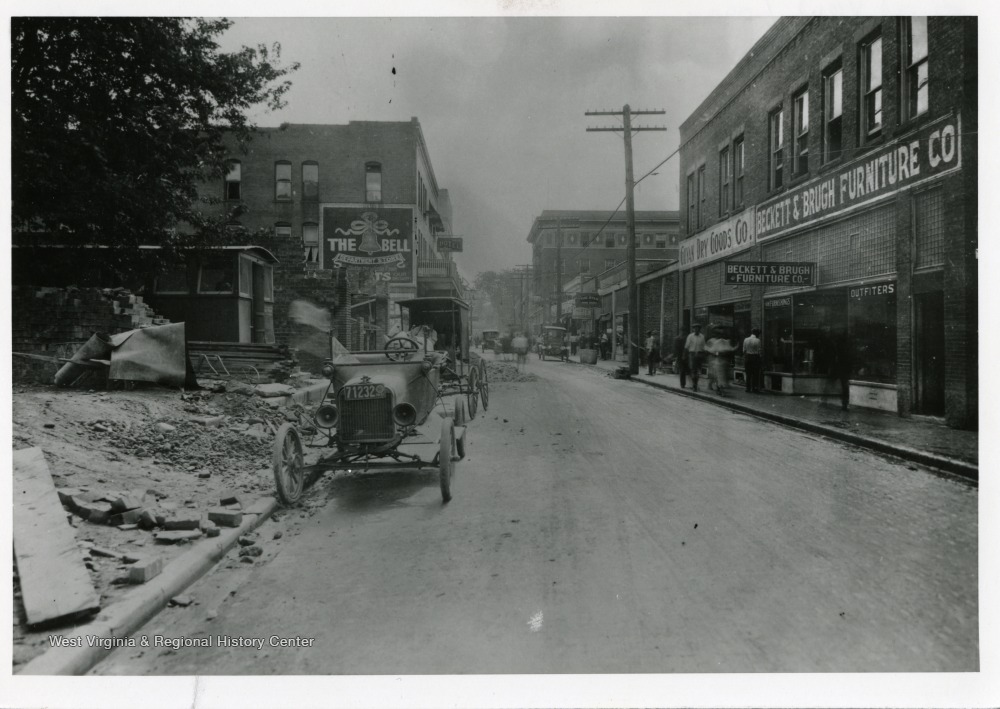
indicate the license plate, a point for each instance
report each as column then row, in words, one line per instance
column 363, row 391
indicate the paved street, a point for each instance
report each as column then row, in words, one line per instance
column 601, row 526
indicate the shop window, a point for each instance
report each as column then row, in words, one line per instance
column 692, row 204
column 800, row 124
column 310, row 181
column 872, row 332
column 283, row 180
column 173, row 279
column 820, row 317
column 702, row 198
column 833, row 110
column 776, row 146
column 915, row 83
column 217, row 274
column 283, row 230
column 739, row 169
column 373, row 182
column 725, row 180
column 871, row 86
column 234, row 180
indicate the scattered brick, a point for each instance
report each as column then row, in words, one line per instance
column 144, row 570
column 128, row 517
column 178, row 535
column 225, row 518
column 188, row 522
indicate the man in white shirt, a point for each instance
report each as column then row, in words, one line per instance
column 694, row 347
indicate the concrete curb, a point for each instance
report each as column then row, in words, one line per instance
column 960, row 468
column 125, row 617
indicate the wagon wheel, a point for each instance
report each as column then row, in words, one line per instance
column 472, row 392
column 289, row 473
column 484, row 387
column 444, row 456
column 461, row 419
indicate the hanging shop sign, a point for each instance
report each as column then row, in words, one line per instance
column 587, row 300
column 379, row 241
column 723, row 239
column 756, row 273
column 449, row 243
column 931, row 151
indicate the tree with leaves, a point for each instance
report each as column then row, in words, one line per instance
column 115, row 122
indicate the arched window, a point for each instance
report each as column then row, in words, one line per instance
column 283, row 180
column 373, row 182
column 233, row 181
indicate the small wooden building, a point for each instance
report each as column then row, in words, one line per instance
column 223, row 294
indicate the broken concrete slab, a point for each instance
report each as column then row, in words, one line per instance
column 145, row 569
column 45, row 548
column 271, row 390
column 225, row 518
column 176, row 536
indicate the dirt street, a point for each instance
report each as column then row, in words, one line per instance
column 599, row 526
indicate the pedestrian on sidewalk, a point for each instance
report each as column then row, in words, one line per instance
column 605, row 344
column 751, row 360
column 652, row 352
column 573, row 340
column 680, row 357
column 694, row 347
column 719, row 348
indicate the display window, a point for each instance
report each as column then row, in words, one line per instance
column 778, row 341
column 872, row 332
column 819, row 317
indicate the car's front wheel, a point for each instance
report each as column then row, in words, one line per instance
column 289, row 469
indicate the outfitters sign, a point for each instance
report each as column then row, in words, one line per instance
column 747, row 273
column 931, row 151
column 380, row 241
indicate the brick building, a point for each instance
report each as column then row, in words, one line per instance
column 846, row 146
column 585, row 243
column 362, row 195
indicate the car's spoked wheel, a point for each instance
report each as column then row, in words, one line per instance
column 473, row 392
column 484, row 389
column 461, row 419
column 289, row 471
column 444, row 456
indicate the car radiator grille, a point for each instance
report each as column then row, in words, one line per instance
column 366, row 420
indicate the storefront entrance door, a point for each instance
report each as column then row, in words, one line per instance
column 258, row 303
column 929, row 359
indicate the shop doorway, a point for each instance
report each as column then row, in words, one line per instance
column 929, row 356
column 259, row 311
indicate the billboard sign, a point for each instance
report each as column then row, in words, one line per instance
column 379, row 240
column 587, row 300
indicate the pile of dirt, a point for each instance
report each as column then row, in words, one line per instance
column 507, row 372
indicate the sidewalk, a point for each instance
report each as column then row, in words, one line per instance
column 919, row 439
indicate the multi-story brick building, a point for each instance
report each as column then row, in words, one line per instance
column 568, row 243
column 847, row 146
column 361, row 195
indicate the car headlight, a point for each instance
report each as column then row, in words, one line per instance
column 326, row 416
column 327, row 370
column 404, row 414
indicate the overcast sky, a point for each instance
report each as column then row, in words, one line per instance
column 501, row 101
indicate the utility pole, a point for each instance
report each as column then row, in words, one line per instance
column 633, row 290
column 558, row 271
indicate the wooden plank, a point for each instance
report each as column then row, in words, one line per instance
column 55, row 585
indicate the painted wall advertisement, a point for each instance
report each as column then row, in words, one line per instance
column 723, row 239
column 930, row 151
column 378, row 240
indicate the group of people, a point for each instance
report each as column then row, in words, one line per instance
column 691, row 351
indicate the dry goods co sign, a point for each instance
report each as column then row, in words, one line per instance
column 380, row 241
column 754, row 273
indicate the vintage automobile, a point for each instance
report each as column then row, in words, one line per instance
column 491, row 340
column 404, row 406
column 551, row 342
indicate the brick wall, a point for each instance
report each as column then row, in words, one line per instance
column 45, row 319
